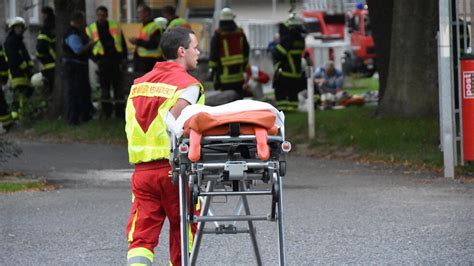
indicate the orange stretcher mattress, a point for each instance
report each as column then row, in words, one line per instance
column 259, row 123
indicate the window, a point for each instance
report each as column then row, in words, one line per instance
column 11, row 9
column 33, row 11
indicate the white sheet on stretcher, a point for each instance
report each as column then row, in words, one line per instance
column 225, row 109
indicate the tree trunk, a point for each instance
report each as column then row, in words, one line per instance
column 63, row 10
column 412, row 89
column 380, row 13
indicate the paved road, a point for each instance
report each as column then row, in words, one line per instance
column 336, row 212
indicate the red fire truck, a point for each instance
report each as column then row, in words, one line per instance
column 360, row 56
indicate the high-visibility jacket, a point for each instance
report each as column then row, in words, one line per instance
column 145, row 33
column 46, row 49
column 178, row 22
column 3, row 67
column 287, row 55
column 18, row 61
column 232, row 49
column 150, row 98
column 114, row 30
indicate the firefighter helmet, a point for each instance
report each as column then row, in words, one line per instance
column 227, row 14
column 37, row 80
column 293, row 20
column 162, row 21
column 16, row 21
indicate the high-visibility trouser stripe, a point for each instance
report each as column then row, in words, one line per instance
column 19, row 81
column 139, row 256
column 6, row 119
column 3, row 73
column 190, row 238
column 49, row 66
column 287, row 103
column 132, row 228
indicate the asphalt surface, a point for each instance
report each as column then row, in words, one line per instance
column 336, row 212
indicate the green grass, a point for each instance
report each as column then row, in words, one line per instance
column 95, row 131
column 9, row 187
column 414, row 140
column 356, row 85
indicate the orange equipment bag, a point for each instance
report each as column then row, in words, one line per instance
column 261, row 123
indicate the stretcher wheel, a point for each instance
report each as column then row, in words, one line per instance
column 175, row 177
column 182, row 169
column 282, row 168
column 195, row 193
column 276, row 192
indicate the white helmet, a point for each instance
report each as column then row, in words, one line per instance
column 37, row 80
column 162, row 22
column 293, row 20
column 227, row 14
column 15, row 21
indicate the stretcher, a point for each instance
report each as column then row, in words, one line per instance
column 233, row 150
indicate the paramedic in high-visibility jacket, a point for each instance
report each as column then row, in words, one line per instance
column 229, row 54
column 155, row 101
column 147, row 44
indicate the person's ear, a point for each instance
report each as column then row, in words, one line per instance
column 181, row 51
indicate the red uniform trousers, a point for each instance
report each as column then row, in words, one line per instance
column 155, row 198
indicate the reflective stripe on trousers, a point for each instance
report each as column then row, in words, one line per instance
column 139, row 256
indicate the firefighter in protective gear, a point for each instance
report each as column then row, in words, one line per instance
column 169, row 13
column 110, row 54
column 19, row 65
column 46, row 49
column 147, row 50
column 155, row 101
column 6, row 118
column 229, row 54
column 289, row 77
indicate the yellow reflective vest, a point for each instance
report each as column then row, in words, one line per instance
column 150, row 98
column 145, row 34
column 115, row 32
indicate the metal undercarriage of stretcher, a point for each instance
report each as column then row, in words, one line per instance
column 229, row 167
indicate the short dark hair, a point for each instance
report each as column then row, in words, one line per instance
column 103, row 9
column 169, row 10
column 77, row 16
column 174, row 38
column 50, row 13
column 145, row 8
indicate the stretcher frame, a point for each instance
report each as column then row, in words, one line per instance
column 220, row 167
